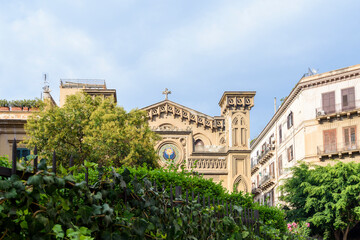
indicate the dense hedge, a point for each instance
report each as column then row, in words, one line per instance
column 45, row 208
column 272, row 216
column 50, row 207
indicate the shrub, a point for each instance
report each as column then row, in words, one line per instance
column 4, row 103
column 4, row 161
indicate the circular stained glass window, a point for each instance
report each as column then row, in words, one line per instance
column 169, row 152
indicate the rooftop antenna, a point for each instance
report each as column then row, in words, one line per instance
column 312, row 71
column 46, row 83
column 274, row 105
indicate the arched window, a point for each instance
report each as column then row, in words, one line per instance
column 198, row 145
column 238, row 131
column 198, row 142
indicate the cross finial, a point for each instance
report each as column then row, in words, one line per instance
column 166, row 92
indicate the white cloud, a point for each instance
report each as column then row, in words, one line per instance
column 38, row 42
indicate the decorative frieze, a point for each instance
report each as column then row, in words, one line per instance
column 239, row 102
column 207, row 163
column 202, row 120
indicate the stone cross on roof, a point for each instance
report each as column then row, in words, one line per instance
column 166, row 92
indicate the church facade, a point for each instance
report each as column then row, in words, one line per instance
column 216, row 147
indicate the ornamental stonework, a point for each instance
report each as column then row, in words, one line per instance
column 206, row 144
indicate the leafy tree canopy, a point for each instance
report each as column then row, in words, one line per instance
column 93, row 129
column 327, row 196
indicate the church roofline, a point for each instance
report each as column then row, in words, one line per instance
column 178, row 105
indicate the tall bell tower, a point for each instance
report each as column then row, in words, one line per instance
column 235, row 108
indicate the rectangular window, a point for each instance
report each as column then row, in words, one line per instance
column 329, row 141
column 290, row 153
column 263, row 149
column 280, row 166
column 22, row 153
column 272, row 197
column 235, row 136
column 272, row 170
column 350, row 138
column 271, row 139
column 280, row 134
column 348, row 98
column 290, row 120
column 328, row 102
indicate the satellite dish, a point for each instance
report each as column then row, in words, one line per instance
column 311, row 71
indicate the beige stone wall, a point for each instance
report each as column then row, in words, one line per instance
column 64, row 92
column 12, row 126
column 224, row 155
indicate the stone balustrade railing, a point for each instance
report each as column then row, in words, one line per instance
column 206, row 163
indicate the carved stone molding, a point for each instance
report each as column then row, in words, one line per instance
column 207, row 163
column 191, row 116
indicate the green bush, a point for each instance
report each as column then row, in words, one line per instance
column 4, row 161
column 273, row 217
column 4, row 103
column 50, row 207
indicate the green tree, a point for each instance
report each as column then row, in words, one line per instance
column 93, row 129
column 328, row 196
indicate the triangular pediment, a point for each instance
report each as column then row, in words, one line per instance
column 168, row 107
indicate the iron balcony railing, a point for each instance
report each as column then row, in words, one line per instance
column 338, row 148
column 338, row 108
column 264, row 152
column 255, row 190
column 266, row 178
column 254, row 162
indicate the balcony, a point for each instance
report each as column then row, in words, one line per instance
column 266, row 154
column 255, row 165
column 338, row 149
column 267, row 181
column 338, row 112
column 255, row 190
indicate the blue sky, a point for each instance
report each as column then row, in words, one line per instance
column 197, row 49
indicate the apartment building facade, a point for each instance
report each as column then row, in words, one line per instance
column 319, row 121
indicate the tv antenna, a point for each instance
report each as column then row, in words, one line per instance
column 46, row 87
column 311, row 72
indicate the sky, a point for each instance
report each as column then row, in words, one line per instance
column 197, row 49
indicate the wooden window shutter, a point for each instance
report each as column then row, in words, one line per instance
column 346, row 137
column 290, row 153
column 290, row 120
column 328, row 102
column 280, row 165
column 329, row 140
column 353, row 135
column 272, row 169
column 350, row 138
column 348, row 98
column 280, row 134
